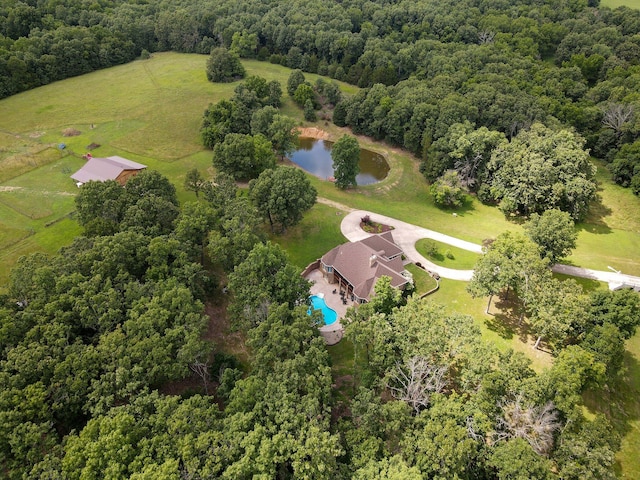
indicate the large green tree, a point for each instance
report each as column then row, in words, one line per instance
column 541, row 169
column 554, row 231
column 243, row 156
column 512, row 261
column 282, row 195
column 263, row 279
column 224, row 66
column 346, row 158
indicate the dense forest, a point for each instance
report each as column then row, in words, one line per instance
column 95, row 339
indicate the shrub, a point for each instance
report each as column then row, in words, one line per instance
column 431, row 248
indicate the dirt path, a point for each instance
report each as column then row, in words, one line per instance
column 8, row 188
column 336, row 205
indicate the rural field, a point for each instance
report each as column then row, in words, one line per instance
column 620, row 3
column 150, row 111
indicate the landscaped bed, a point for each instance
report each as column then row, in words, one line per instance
column 370, row 226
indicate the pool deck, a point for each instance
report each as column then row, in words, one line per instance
column 331, row 333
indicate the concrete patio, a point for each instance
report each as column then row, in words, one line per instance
column 331, row 333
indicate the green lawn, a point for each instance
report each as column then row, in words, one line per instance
column 421, row 279
column 620, row 3
column 461, row 259
column 318, row 233
column 500, row 328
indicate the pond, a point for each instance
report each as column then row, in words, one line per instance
column 314, row 156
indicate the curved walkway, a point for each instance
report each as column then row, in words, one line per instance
column 406, row 235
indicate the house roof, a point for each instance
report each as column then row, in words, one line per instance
column 383, row 242
column 102, row 169
column 362, row 263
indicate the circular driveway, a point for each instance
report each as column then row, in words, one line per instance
column 406, row 235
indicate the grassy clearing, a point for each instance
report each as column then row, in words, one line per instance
column 318, row 233
column 501, row 328
column 620, row 3
column 462, row 259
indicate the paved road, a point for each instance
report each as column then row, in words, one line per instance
column 406, row 235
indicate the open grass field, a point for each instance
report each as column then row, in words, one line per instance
column 150, row 111
column 620, row 3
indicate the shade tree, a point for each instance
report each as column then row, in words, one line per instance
column 541, row 169
column 282, row 195
column 243, row 156
column 557, row 311
column 283, row 135
column 447, row 190
column 263, row 279
column 346, row 157
column 194, row 181
column 296, row 78
column 554, row 231
column 512, row 261
column 224, row 66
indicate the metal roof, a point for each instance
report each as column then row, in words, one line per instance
column 102, row 169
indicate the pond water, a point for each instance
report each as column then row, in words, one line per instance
column 314, row 156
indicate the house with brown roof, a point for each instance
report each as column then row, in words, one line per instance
column 356, row 266
column 109, row 168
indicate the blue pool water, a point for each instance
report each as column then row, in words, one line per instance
column 329, row 314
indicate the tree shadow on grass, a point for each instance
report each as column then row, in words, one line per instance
column 620, row 403
column 595, row 228
column 505, row 318
column 459, row 211
column 595, row 222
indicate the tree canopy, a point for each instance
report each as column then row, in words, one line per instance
column 346, row 158
column 554, row 232
column 224, row 66
column 542, row 169
column 282, row 195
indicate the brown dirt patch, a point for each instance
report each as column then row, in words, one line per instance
column 70, row 132
column 219, row 331
column 313, row 132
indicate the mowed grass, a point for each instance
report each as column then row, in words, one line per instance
column 422, row 280
column 620, row 3
column 460, row 259
column 315, row 235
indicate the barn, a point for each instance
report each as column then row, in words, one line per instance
column 109, row 168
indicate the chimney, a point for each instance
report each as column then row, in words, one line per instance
column 372, row 260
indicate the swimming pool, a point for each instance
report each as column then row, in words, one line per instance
column 329, row 314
